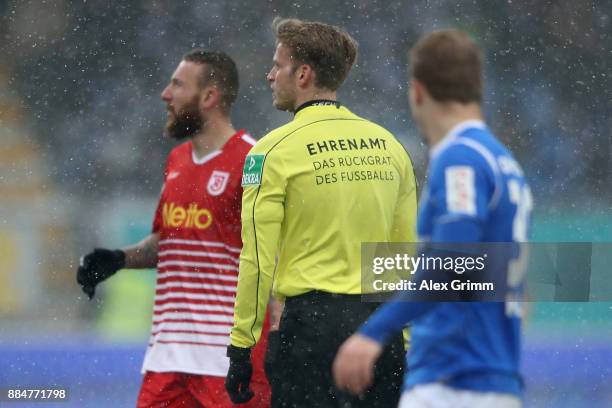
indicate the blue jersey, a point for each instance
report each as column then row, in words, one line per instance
column 476, row 193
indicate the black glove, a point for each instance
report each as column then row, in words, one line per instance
column 271, row 359
column 239, row 374
column 97, row 266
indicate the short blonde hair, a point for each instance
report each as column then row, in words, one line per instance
column 329, row 50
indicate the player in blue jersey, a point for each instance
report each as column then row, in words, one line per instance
column 463, row 354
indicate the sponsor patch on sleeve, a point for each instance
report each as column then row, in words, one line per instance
column 253, row 166
column 460, row 190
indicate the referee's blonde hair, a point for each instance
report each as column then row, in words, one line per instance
column 329, row 50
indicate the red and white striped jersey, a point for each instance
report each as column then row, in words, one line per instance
column 198, row 221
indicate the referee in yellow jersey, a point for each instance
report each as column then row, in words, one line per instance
column 314, row 190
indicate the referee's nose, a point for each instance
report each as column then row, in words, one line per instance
column 270, row 76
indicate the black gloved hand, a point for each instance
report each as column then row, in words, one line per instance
column 271, row 359
column 97, row 266
column 239, row 374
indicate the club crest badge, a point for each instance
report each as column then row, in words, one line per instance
column 217, row 182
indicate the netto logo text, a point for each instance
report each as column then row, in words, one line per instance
column 193, row 217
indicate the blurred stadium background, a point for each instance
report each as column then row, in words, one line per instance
column 82, row 155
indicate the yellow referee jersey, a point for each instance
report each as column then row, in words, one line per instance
column 314, row 190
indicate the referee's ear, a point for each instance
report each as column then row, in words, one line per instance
column 305, row 76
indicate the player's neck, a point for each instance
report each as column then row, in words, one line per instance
column 212, row 136
column 314, row 94
column 447, row 117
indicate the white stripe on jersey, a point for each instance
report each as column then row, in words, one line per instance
column 195, row 296
column 189, row 285
column 208, row 328
column 196, row 275
column 192, row 337
column 197, row 264
column 183, row 305
column 188, row 316
column 200, row 243
column 198, row 253
column 249, row 139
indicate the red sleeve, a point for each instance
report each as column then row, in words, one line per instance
column 157, row 218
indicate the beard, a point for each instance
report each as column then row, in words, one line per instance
column 186, row 123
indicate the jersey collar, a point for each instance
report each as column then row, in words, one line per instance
column 214, row 153
column 453, row 133
column 205, row 158
column 317, row 102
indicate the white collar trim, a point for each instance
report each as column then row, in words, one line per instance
column 205, row 158
column 453, row 133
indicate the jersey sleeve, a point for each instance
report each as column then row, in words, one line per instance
column 157, row 218
column 461, row 187
column 392, row 317
column 263, row 201
column 404, row 219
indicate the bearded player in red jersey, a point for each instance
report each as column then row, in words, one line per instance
column 195, row 243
